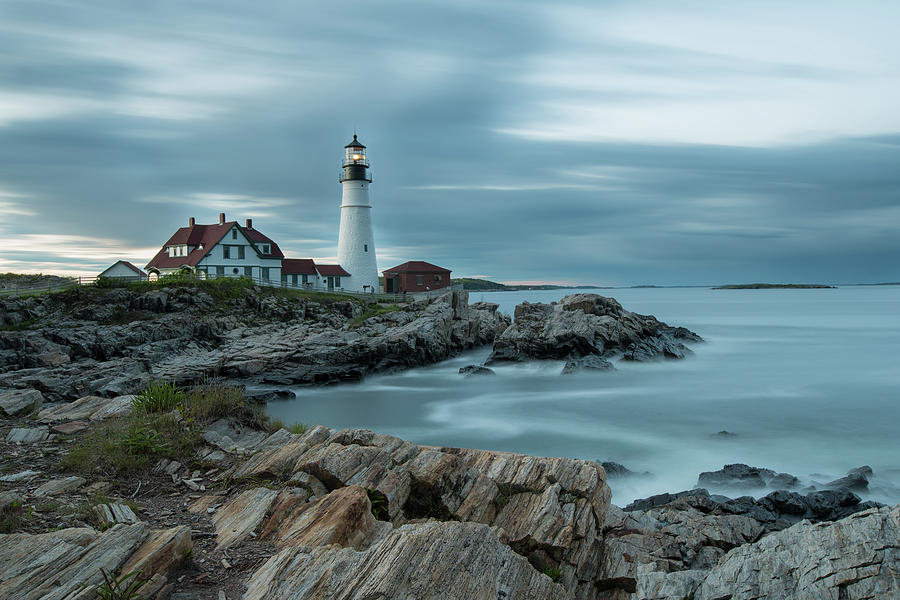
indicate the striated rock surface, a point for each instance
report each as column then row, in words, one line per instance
column 550, row 510
column 856, row 557
column 20, row 402
column 111, row 342
column 429, row 560
column 587, row 325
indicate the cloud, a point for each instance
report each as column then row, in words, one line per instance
column 613, row 143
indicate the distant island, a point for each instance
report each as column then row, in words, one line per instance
column 484, row 285
column 775, row 286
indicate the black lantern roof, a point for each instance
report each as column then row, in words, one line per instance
column 355, row 143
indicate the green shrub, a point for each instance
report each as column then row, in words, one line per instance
column 553, row 573
column 123, row 588
column 159, row 396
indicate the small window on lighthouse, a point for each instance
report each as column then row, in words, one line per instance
column 365, row 247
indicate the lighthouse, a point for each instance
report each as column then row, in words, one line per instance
column 356, row 242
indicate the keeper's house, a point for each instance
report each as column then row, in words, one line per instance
column 415, row 276
column 227, row 249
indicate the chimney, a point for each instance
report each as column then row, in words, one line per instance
column 221, row 218
column 191, row 222
column 249, row 223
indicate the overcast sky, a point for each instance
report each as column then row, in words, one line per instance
column 605, row 142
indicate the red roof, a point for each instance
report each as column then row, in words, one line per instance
column 298, row 266
column 204, row 237
column 417, row 266
column 333, row 270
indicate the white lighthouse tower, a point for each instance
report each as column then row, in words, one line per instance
column 356, row 242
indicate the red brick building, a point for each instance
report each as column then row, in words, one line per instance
column 415, row 276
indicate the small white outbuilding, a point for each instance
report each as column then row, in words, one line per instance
column 123, row 269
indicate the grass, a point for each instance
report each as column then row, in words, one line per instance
column 553, row 573
column 159, row 396
column 13, row 516
column 20, row 326
column 124, row 588
column 276, row 423
column 165, row 422
column 374, row 310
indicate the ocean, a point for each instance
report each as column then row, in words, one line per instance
column 808, row 381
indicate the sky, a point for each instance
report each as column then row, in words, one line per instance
column 607, row 142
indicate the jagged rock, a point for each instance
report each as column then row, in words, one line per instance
column 856, row 557
column 162, row 551
column 639, row 545
column 551, row 509
column 70, row 427
column 587, row 363
column 582, row 325
column 257, row 339
column 65, row 564
column 28, row 435
column 25, row 475
column 116, row 407
column 78, row 410
column 20, row 402
column 741, row 476
column 240, row 516
column 343, row 517
column 110, row 514
column 54, row 487
column 232, row 436
column 856, row 480
column 448, row 560
column 471, row 370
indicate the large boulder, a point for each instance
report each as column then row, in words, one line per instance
column 582, row 325
column 20, row 402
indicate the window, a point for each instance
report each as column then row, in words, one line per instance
column 337, row 282
column 240, row 252
column 248, row 271
column 293, row 280
column 234, row 234
column 365, row 247
column 220, row 271
column 226, row 251
column 264, row 248
column 420, row 280
column 437, row 278
column 306, row 279
column 264, row 273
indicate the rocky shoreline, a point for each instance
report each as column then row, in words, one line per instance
column 221, row 504
column 356, row 514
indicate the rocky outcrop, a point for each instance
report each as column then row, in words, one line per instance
column 94, row 342
column 856, row 557
column 664, row 547
column 428, row 560
column 67, row 564
column 588, row 325
column 550, row 510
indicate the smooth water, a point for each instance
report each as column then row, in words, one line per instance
column 809, row 380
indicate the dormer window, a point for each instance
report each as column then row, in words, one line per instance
column 265, row 248
column 234, row 234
